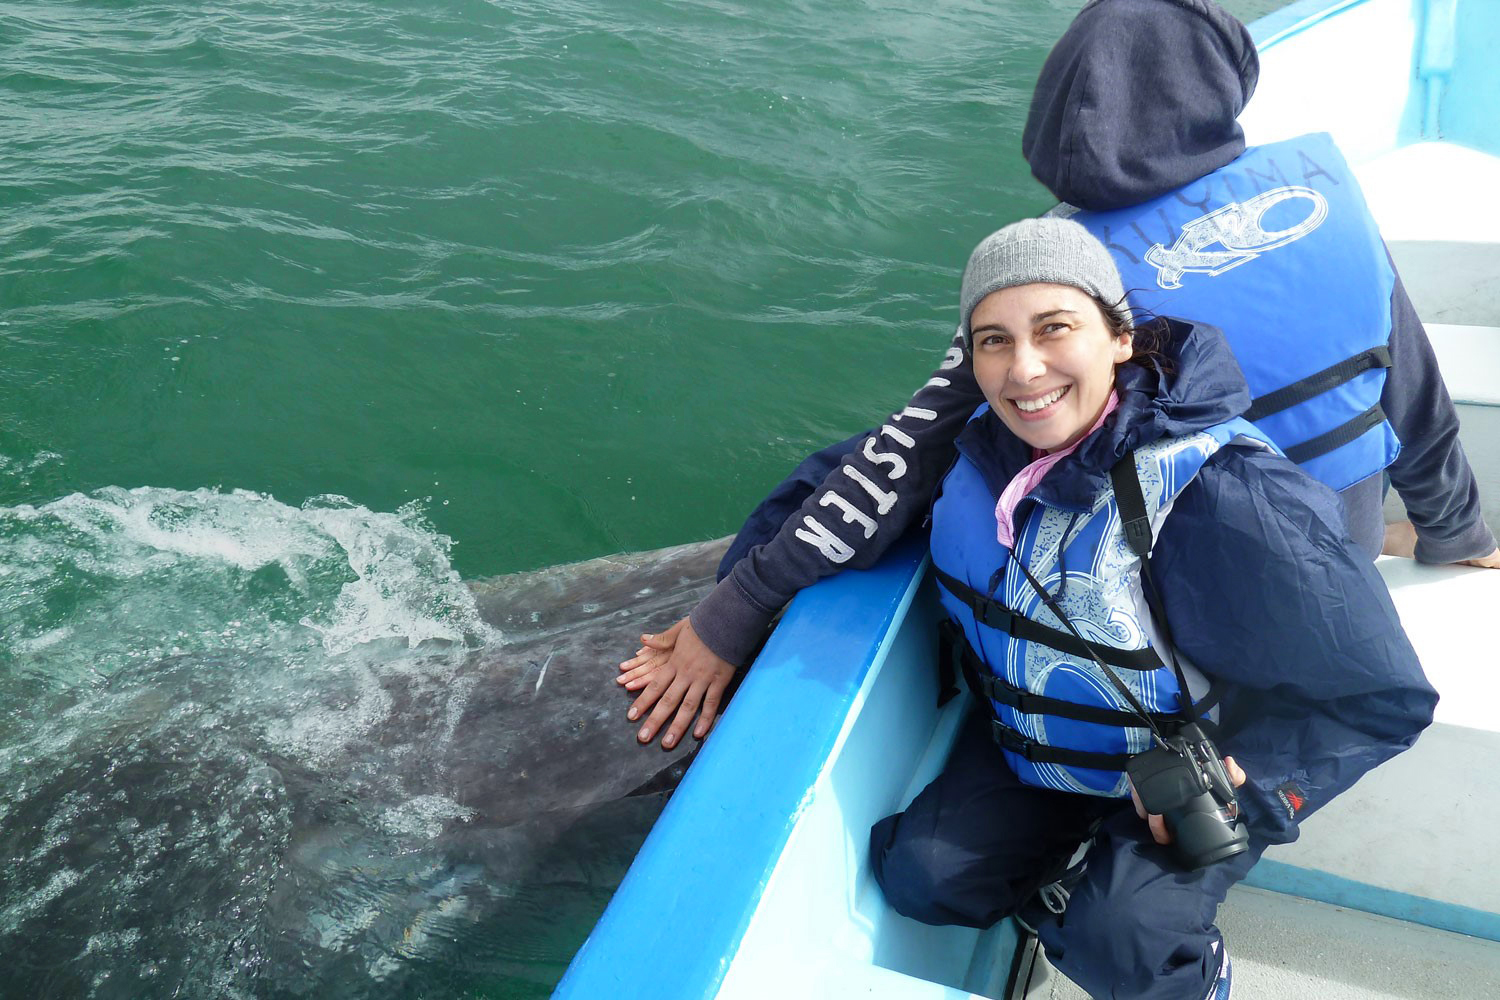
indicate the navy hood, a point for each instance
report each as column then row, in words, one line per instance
column 1138, row 98
column 1193, row 384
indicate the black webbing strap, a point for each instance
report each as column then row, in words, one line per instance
column 1040, row 753
column 1132, row 506
column 1336, row 438
column 1316, row 384
column 961, row 658
column 991, row 612
column 955, row 657
column 947, row 666
column 1131, row 503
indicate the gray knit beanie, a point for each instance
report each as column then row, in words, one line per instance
column 1054, row 251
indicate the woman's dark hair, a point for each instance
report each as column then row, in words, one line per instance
column 1149, row 332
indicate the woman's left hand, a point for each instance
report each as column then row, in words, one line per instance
column 675, row 672
column 1158, row 826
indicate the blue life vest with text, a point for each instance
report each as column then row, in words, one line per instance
column 1278, row 250
column 1059, row 719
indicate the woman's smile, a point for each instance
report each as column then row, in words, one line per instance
column 1040, row 407
column 1045, row 358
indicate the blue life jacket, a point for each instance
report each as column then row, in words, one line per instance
column 1059, row 719
column 1279, row 251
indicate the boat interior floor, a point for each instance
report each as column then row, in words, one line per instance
column 1435, row 205
column 1286, row 947
column 1437, row 211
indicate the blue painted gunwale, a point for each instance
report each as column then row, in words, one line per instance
column 678, row 917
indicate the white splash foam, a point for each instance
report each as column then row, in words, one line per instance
column 405, row 586
column 244, row 529
column 424, row 816
column 190, row 569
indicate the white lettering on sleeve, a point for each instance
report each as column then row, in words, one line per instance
column 918, row 412
column 899, row 436
column 896, row 462
column 824, row 541
column 939, row 381
column 953, row 358
column 884, row 500
column 852, row 514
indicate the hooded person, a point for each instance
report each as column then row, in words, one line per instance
column 1137, row 99
column 1138, row 102
column 1074, row 393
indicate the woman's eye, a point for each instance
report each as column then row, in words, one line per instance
column 1054, row 327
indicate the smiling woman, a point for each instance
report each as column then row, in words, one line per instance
column 1045, row 349
column 1084, row 561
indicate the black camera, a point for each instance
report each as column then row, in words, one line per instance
column 1187, row 784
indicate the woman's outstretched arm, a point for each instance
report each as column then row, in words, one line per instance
column 871, row 497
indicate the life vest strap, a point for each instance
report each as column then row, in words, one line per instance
column 1137, row 525
column 996, row 615
column 1040, row 753
column 958, row 657
column 1318, row 383
column 1338, row 437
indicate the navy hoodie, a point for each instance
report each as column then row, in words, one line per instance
column 1261, row 586
column 1136, row 99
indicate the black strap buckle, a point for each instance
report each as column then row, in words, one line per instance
column 1132, row 505
column 1040, row 753
column 996, row 615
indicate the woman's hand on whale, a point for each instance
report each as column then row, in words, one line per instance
column 675, row 672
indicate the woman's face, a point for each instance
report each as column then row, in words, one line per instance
column 1045, row 360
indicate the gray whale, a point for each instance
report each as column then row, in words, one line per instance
column 160, row 839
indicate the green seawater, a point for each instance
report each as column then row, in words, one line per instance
column 307, row 307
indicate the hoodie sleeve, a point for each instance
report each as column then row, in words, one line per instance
column 1263, row 589
column 1431, row 474
column 873, row 495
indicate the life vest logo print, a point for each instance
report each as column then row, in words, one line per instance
column 1237, row 229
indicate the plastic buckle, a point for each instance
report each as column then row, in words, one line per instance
column 1138, row 536
column 997, row 616
column 1011, row 740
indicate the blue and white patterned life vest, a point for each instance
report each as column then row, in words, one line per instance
column 1279, row 250
column 1102, row 596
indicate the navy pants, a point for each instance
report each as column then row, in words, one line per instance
column 976, row 843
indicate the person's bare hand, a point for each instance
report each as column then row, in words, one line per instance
column 1401, row 540
column 1159, row 831
column 675, row 673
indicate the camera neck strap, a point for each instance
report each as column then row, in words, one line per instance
column 1130, row 699
column 1136, row 524
column 1137, row 527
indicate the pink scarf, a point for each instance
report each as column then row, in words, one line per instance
column 1026, row 480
